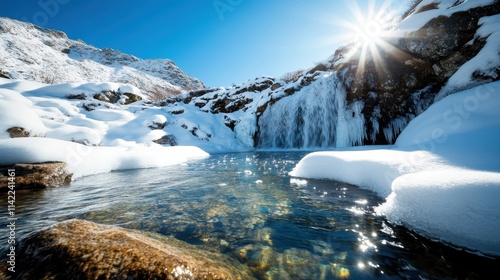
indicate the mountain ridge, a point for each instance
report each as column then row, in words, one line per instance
column 35, row 53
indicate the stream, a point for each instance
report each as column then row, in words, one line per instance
column 246, row 206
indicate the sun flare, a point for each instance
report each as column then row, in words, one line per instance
column 369, row 32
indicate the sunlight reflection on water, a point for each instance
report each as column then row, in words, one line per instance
column 246, row 206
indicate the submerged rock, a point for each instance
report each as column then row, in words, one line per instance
column 36, row 175
column 78, row 249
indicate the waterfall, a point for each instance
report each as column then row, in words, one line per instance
column 316, row 116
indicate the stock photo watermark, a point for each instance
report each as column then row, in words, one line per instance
column 453, row 119
column 223, row 7
column 48, row 9
column 11, row 219
column 455, row 116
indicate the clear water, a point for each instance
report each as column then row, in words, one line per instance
column 247, row 207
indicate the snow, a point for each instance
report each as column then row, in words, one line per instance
column 485, row 64
column 441, row 178
column 202, row 129
column 17, row 111
column 87, row 160
column 34, row 53
column 115, row 136
column 444, row 8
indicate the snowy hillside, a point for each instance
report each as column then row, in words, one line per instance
column 358, row 96
column 92, row 127
column 33, row 53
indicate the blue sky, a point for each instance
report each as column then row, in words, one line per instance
column 218, row 41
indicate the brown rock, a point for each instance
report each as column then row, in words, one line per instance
column 18, row 132
column 131, row 98
column 36, row 175
column 166, row 140
column 107, row 96
column 78, row 249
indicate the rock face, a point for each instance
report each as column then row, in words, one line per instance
column 408, row 71
column 36, row 175
column 79, row 249
column 379, row 93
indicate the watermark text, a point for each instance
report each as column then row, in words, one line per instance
column 11, row 226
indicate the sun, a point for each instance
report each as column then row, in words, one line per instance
column 369, row 32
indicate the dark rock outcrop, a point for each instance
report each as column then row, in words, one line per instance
column 18, row 132
column 131, row 98
column 166, row 140
column 4, row 74
column 36, row 175
column 157, row 125
column 78, row 249
column 108, row 96
column 392, row 81
column 419, row 62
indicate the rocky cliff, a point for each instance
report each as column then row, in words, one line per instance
column 368, row 91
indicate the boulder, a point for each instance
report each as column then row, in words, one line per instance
column 167, row 140
column 4, row 74
column 108, row 96
column 18, row 132
column 78, row 249
column 36, row 175
column 131, row 98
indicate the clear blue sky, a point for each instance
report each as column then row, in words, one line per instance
column 218, row 41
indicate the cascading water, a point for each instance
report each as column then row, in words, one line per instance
column 316, row 116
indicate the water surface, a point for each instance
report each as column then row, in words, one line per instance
column 247, row 207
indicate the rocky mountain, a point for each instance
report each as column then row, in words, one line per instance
column 33, row 53
column 367, row 92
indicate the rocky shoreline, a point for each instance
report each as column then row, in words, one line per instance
column 36, row 175
column 78, row 249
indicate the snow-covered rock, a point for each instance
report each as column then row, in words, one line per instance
column 358, row 97
column 33, row 53
column 68, row 124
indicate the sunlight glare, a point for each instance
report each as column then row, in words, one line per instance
column 369, row 32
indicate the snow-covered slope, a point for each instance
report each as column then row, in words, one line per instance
column 442, row 178
column 33, row 53
column 358, row 97
column 93, row 127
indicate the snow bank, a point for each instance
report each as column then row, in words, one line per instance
column 202, row 129
column 17, row 111
column 86, row 160
column 442, row 178
column 485, row 64
column 115, row 136
column 459, row 206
